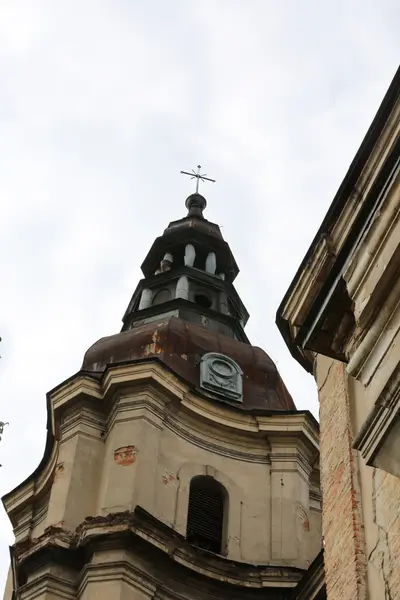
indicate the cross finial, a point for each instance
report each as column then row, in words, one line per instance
column 198, row 176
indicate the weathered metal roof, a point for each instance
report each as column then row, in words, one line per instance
column 180, row 346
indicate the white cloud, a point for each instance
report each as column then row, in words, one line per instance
column 103, row 103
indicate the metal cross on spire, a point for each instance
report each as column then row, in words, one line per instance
column 198, row 176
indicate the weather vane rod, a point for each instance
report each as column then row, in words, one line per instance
column 198, row 176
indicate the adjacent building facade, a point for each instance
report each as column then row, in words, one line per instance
column 341, row 320
column 176, row 464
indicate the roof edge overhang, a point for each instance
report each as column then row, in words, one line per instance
column 325, row 290
column 156, row 542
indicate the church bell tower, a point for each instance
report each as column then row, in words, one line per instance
column 176, row 464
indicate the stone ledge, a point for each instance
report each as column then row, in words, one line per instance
column 137, row 530
column 382, row 428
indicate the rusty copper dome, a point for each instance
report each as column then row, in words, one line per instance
column 180, row 345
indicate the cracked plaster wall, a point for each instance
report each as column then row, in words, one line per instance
column 361, row 508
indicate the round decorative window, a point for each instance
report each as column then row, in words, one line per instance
column 221, row 368
column 221, row 375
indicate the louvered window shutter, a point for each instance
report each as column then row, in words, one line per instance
column 206, row 514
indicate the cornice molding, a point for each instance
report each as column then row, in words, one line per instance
column 198, row 439
column 380, row 420
column 82, row 420
column 297, row 424
column 115, row 531
column 121, row 571
column 377, row 339
column 40, row 511
column 375, row 252
column 80, row 385
column 48, row 585
column 312, row 297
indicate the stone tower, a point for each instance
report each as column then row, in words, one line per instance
column 176, row 463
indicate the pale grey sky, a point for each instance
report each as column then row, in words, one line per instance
column 103, row 102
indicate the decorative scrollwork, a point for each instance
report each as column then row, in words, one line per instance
column 221, row 375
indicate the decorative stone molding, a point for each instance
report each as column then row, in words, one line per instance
column 378, row 340
column 221, row 375
column 379, row 438
column 117, row 540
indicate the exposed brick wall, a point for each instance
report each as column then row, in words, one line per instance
column 343, row 533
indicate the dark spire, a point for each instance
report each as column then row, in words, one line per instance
column 188, row 273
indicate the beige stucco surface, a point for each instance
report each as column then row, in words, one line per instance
column 137, row 439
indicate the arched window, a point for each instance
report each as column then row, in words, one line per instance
column 203, row 300
column 207, row 514
column 162, row 296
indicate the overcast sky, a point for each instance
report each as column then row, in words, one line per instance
column 102, row 104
